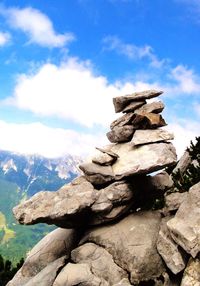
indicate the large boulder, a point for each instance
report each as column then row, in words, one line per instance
column 121, row 102
column 100, row 261
column 54, row 245
column 185, row 227
column 132, row 161
column 77, row 204
column 132, row 244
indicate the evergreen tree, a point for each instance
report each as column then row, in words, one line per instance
column 192, row 174
column 7, row 271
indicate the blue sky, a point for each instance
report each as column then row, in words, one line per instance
column 63, row 61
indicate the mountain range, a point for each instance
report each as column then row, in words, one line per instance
column 22, row 176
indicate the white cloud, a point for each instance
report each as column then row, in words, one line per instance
column 71, row 91
column 184, row 131
column 4, row 38
column 36, row 138
column 133, row 52
column 37, row 26
column 188, row 81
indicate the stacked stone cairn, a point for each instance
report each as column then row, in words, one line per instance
column 111, row 231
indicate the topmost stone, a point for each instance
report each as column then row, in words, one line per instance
column 121, row 102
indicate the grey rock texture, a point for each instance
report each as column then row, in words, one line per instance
column 100, row 261
column 162, row 181
column 47, row 276
column 183, row 163
column 184, row 227
column 141, row 137
column 76, row 202
column 154, row 107
column 66, row 207
column 120, row 134
column 123, row 282
column 132, row 160
column 143, row 159
column 122, row 121
column 97, row 174
column 147, row 121
column 132, row 243
column 103, row 159
column 174, row 200
column 121, row 102
column 54, row 245
column 191, row 276
column 174, row 257
column 133, row 106
column 78, row 274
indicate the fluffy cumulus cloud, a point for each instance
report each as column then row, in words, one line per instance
column 36, row 138
column 4, row 38
column 37, row 26
column 184, row 131
column 71, row 91
column 186, row 80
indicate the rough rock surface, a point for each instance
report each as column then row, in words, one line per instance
column 103, row 159
column 174, row 200
column 112, row 154
column 184, row 227
column 122, row 121
column 162, row 181
column 78, row 274
column 47, row 276
column 183, row 163
column 133, row 106
column 121, row 102
column 66, row 207
column 173, row 256
column 147, row 121
column 141, row 137
column 155, row 107
column 100, row 261
column 77, row 204
column 131, row 161
column 120, row 134
column 132, row 243
column 54, row 245
column 191, row 276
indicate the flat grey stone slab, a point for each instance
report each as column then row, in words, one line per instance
column 174, row 257
column 121, row 102
column 141, row 137
column 132, row 160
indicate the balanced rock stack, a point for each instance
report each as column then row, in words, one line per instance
column 109, row 231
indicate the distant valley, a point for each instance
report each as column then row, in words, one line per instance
column 21, row 177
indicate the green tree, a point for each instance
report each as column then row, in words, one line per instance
column 7, row 271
